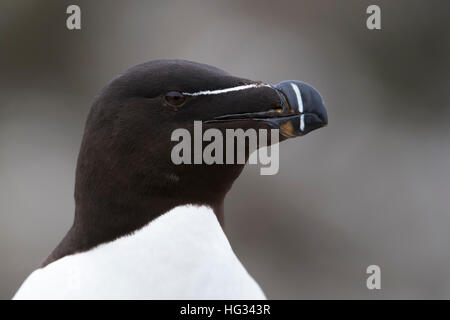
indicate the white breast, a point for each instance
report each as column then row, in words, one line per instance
column 183, row 254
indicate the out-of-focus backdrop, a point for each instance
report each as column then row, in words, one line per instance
column 371, row 188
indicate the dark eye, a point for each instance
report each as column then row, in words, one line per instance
column 174, row 98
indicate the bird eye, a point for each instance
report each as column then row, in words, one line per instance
column 175, row 98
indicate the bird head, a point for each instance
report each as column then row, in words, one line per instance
column 125, row 157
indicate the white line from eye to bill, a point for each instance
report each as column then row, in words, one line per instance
column 226, row 90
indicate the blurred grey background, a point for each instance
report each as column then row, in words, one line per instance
column 371, row 188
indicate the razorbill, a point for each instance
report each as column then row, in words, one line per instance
column 145, row 228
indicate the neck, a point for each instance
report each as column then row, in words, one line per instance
column 95, row 225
